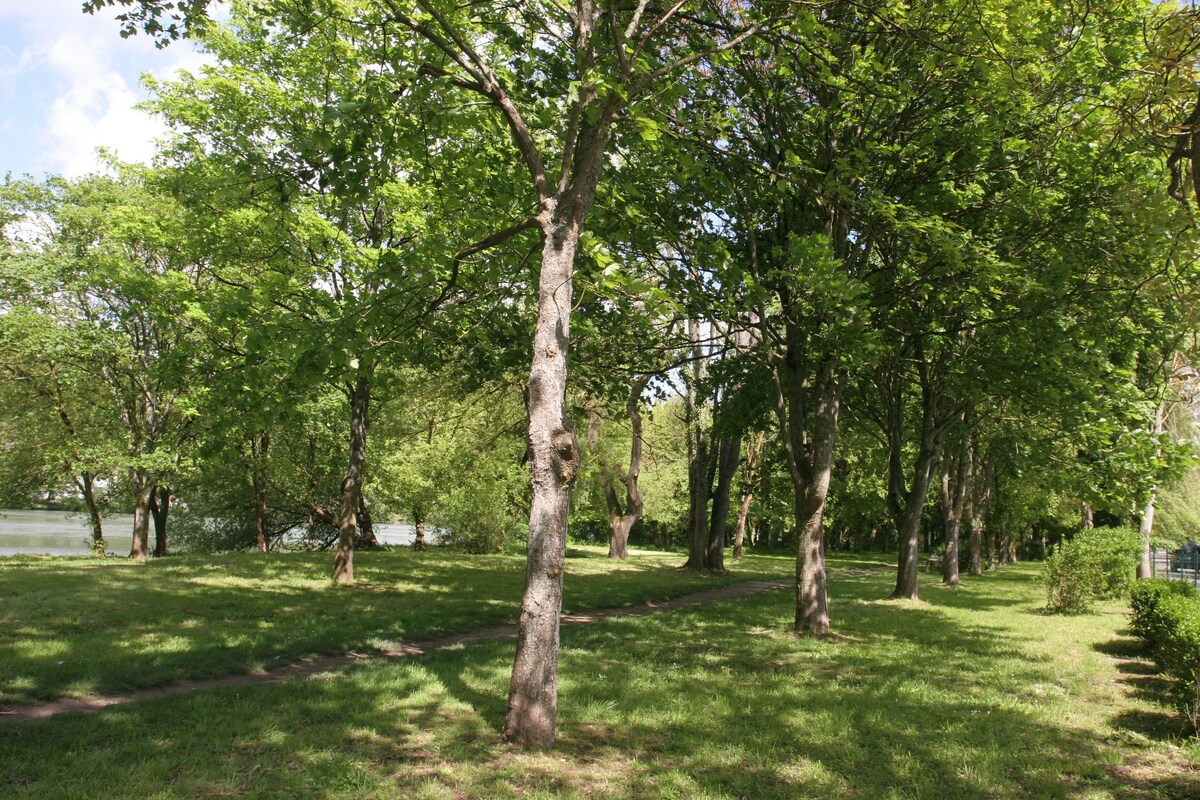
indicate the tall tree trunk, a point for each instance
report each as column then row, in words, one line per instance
column 955, row 480
column 256, row 479
column 143, row 487
column 980, row 493
column 907, row 505
column 360, row 404
column 909, row 526
column 727, row 463
column 87, row 485
column 619, row 537
column 699, row 483
column 311, row 538
column 554, row 460
column 261, row 515
column 160, row 509
column 748, row 477
column 813, row 455
column 419, row 543
column 1086, row 518
column 1146, row 526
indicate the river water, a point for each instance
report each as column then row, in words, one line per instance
column 60, row 533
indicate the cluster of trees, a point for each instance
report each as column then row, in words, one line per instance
column 908, row 266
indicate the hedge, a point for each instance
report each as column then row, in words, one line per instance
column 1167, row 615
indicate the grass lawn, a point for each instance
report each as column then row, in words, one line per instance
column 971, row 693
column 78, row 626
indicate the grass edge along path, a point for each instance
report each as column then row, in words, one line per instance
column 317, row 664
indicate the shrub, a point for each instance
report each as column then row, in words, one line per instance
column 479, row 518
column 1097, row 564
column 1167, row 615
column 1144, row 600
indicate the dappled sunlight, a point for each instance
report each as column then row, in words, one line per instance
column 119, row 626
column 953, row 697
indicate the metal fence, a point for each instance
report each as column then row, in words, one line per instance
column 1177, row 565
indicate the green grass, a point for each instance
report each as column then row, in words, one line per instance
column 970, row 693
column 72, row 627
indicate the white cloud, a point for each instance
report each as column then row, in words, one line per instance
column 92, row 76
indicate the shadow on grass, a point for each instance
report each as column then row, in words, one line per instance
column 1160, row 696
column 718, row 701
column 77, row 627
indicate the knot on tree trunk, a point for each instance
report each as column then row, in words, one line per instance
column 566, row 454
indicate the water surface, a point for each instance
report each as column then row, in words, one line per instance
column 64, row 533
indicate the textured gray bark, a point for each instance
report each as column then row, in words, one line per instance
column 554, row 459
column 907, row 504
column 808, row 415
column 621, row 520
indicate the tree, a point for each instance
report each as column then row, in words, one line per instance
column 112, row 276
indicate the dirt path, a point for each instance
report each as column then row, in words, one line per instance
column 316, row 664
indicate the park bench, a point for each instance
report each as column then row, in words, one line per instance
column 934, row 563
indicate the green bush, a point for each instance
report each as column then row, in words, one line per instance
column 1144, row 600
column 479, row 518
column 1097, row 564
column 1167, row 615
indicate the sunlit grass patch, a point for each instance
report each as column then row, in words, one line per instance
column 970, row 694
column 115, row 625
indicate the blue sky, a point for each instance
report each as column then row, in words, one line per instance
column 68, row 83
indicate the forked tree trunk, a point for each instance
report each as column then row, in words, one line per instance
column 907, row 505
column 727, row 464
column 143, row 487
column 160, row 509
column 366, row 525
column 618, row 546
column 554, row 459
column 621, row 521
column 87, row 485
column 909, row 527
column 360, row 404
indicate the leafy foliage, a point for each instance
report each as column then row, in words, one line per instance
column 1095, row 564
